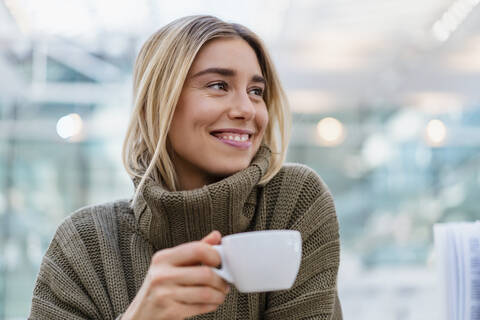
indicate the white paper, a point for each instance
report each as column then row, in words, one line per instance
column 457, row 246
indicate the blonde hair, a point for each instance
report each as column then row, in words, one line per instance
column 160, row 70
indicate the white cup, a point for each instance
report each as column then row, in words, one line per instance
column 260, row 261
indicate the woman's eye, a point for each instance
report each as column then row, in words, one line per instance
column 257, row 92
column 218, row 86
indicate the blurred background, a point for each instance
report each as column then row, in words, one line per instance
column 385, row 96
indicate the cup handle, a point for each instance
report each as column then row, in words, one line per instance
column 223, row 272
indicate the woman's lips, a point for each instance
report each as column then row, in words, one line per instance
column 240, row 141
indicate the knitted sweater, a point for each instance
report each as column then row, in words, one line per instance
column 100, row 254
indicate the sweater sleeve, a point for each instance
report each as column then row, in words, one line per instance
column 314, row 293
column 67, row 287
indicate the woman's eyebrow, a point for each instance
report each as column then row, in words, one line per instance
column 220, row 71
column 227, row 73
column 260, row 79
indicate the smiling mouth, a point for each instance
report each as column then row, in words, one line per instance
column 230, row 136
column 237, row 140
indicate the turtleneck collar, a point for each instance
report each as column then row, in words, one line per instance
column 167, row 218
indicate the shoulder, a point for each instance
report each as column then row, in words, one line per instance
column 88, row 221
column 108, row 211
column 73, row 268
column 296, row 175
column 297, row 195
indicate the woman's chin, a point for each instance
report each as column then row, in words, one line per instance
column 230, row 169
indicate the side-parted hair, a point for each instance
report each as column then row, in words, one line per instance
column 159, row 73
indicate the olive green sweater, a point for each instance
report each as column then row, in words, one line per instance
column 100, row 254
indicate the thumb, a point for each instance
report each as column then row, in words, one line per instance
column 213, row 238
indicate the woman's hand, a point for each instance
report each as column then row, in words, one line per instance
column 180, row 284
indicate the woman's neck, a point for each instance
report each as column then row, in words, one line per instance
column 189, row 177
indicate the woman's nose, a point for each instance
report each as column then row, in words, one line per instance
column 242, row 107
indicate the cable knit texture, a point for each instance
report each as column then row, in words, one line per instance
column 100, row 254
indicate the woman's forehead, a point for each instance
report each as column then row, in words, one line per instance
column 227, row 53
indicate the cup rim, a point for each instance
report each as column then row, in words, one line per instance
column 261, row 233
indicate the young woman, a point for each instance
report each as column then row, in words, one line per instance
column 205, row 149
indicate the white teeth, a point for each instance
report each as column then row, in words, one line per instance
column 239, row 138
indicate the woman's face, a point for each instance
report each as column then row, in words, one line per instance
column 221, row 116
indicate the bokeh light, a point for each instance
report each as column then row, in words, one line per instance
column 331, row 132
column 69, row 126
column 436, row 132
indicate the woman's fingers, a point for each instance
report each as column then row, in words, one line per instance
column 201, row 276
column 199, row 295
column 189, row 276
column 213, row 238
column 180, row 282
column 191, row 253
